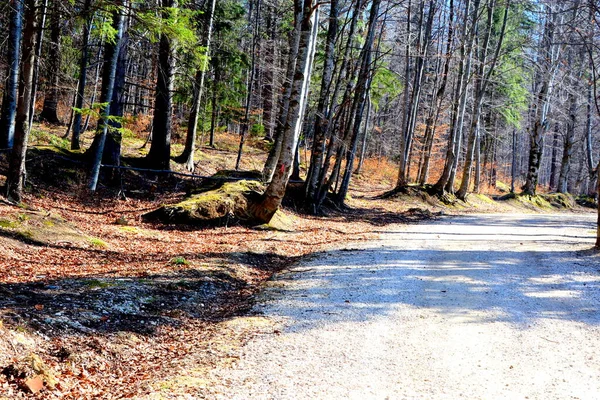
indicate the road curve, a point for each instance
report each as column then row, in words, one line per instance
column 474, row 307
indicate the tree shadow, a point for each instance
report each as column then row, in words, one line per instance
column 480, row 282
column 100, row 304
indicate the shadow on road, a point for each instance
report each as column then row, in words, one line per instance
column 498, row 276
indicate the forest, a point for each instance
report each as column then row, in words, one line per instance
column 173, row 128
column 459, row 94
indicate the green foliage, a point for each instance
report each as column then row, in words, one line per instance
column 511, row 78
column 385, row 84
column 95, row 111
column 512, row 85
column 257, row 130
column 179, row 261
column 180, row 26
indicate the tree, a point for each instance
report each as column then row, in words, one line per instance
column 111, row 52
column 83, row 66
column 187, row 157
column 483, row 78
column 548, row 67
column 160, row 150
column 16, row 169
column 50, row 109
column 275, row 191
column 9, row 103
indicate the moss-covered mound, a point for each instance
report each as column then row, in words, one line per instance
column 44, row 228
column 221, row 204
column 541, row 202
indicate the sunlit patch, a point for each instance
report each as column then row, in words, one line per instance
column 566, row 294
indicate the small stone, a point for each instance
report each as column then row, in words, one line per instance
column 34, row 384
column 122, row 221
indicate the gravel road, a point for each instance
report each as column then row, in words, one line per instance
column 475, row 307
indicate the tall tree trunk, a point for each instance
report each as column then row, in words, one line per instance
column 187, row 157
column 569, row 141
column 112, row 149
column 246, row 123
column 83, row 63
column 271, row 199
column 414, row 103
column 365, row 135
column 477, row 182
column 513, row 173
column 38, row 56
column 95, row 90
column 480, row 89
column 459, row 102
column 361, row 93
column 50, row 109
column 439, row 97
column 541, row 103
column 214, row 106
column 269, row 75
column 11, row 88
column 284, row 104
column 554, row 159
column 160, row 150
column 16, row 168
column 588, row 140
column 111, row 52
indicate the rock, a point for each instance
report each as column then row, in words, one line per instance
column 122, row 221
column 224, row 204
column 34, row 385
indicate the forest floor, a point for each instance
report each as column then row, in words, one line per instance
column 96, row 303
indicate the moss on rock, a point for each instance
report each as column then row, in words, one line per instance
column 41, row 228
column 225, row 203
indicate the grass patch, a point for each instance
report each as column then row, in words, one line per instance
column 98, row 243
column 179, row 261
column 7, row 223
column 129, row 229
column 98, row 284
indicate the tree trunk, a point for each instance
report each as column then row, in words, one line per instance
column 160, row 150
column 16, row 169
column 480, row 89
column 445, row 182
column 38, row 56
column 83, row 62
column 414, row 102
column 214, row 107
column 360, row 96
column 569, row 141
column 554, row 159
column 284, row 104
column 271, row 199
column 9, row 102
column 246, row 123
column 187, row 157
column 542, row 104
column 439, row 97
column 513, row 174
column 365, row 134
column 588, row 139
column 111, row 51
column 50, row 109
column 269, row 75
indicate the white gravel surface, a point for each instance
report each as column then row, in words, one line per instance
column 473, row 307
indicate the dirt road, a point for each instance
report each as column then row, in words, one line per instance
column 474, row 307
